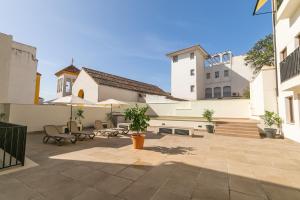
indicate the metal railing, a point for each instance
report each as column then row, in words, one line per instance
column 290, row 66
column 12, row 144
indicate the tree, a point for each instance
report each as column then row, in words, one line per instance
column 262, row 53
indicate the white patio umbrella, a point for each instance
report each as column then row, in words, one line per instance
column 112, row 103
column 71, row 100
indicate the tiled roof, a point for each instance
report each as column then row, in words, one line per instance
column 102, row 78
column 71, row 69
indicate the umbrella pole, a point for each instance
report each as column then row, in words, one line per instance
column 71, row 117
column 111, row 115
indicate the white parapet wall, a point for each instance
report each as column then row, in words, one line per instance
column 36, row 116
column 225, row 108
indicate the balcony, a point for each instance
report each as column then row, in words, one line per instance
column 290, row 66
column 286, row 8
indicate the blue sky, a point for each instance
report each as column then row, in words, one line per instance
column 128, row 37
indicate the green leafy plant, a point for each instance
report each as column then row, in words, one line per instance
column 79, row 115
column 208, row 115
column 2, row 116
column 139, row 119
column 272, row 118
column 261, row 54
column 277, row 119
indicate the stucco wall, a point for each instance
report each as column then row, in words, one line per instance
column 181, row 79
column 5, row 54
column 88, row 85
column 287, row 28
column 106, row 92
column 18, row 71
column 231, row 108
column 36, row 116
column 263, row 92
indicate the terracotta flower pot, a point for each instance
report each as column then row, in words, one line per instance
column 138, row 141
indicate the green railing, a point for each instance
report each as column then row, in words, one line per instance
column 12, row 144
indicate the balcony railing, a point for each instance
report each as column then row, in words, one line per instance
column 290, row 66
column 12, row 144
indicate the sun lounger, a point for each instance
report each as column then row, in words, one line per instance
column 109, row 132
column 52, row 132
column 122, row 131
column 74, row 131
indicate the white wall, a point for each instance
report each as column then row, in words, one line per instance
column 36, row 116
column 5, row 55
column 106, row 92
column 287, row 28
column 18, row 71
column 263, row 92
column 181, row 79
column 88, row 85
column 229, row 108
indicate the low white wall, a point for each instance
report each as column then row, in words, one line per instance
column 36, row 116
column 231, row 108
column 263, row 92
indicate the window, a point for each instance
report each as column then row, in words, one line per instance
column 208, row 93
column 283, row 54
column 298, row 40
column 192, row 88
column 226, row 57
column 59, row 85
column 192, row 72
column 192, row 55
column 217, row 92
column 207, row 75
column 226, row 73
column 217, row 74
column 290, row 110
column 68, row 85
column 227, row 91
column 175, row 59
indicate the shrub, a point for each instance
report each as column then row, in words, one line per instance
column 208, row 114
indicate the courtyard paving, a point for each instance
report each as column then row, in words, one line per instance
column 170, row 167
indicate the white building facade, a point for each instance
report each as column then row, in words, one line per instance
column 196, row 75
column 287, row 26
column 18, row 71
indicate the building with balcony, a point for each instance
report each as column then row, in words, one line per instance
column 197, row 75
column 287, row 26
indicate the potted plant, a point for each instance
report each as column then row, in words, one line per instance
column 79, row 115
column 139, row 123
column 269, row 121
column 208, row 114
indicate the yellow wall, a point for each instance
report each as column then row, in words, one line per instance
column 37, row 88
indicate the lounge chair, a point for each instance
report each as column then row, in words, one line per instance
column 52, row 132
column 74, row 131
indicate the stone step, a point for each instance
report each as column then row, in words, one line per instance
column 240, row 135
column 237, row 132
column 255, row 129
column 237, row 125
